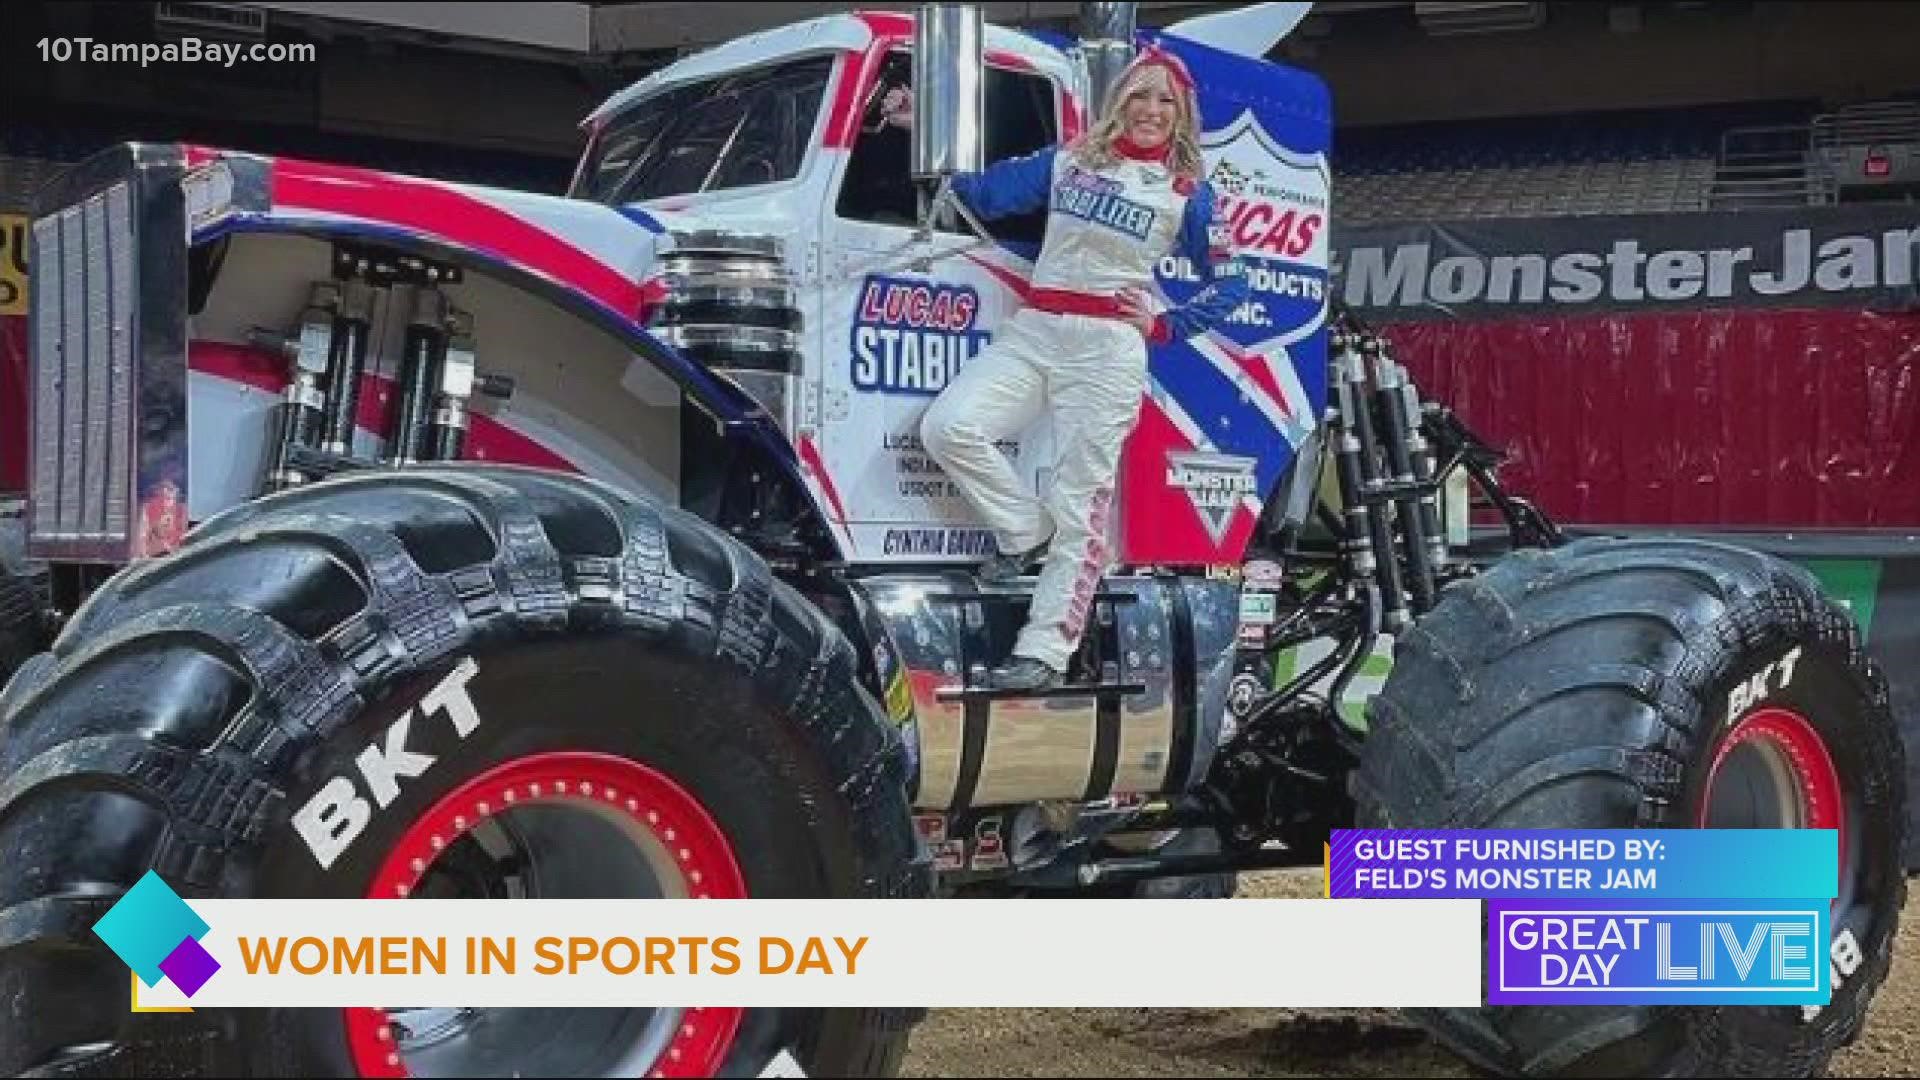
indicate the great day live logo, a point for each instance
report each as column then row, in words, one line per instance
column 1573, row 953
column 1699, row 917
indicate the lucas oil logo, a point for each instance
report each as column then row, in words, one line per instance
column 912, row 336
column 1270, row 214
column 1273, row 203
column 1216, row 484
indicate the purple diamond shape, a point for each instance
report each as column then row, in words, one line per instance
column 189, row 966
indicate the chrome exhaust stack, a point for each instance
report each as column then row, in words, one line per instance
column 1106, row 42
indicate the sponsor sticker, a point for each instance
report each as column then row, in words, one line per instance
column 912, row 336
column 1215, row 484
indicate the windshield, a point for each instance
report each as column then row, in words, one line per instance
column 751, row 127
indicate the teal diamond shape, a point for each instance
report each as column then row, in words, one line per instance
column 148, row 923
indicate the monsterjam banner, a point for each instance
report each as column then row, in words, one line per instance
column 1862, row 257
column 1753, row 368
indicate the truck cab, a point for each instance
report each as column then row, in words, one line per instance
column 780, row 134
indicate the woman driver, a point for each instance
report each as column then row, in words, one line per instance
column 1120, row 197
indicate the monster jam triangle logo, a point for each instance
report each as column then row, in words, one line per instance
column 1216, row 484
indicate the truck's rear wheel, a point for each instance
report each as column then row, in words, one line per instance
column 541, row 671
column 1650, row 684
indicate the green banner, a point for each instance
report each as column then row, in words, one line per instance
column 1853, row 582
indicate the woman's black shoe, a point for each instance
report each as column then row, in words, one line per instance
column 1002, row 569
column 1023, row 673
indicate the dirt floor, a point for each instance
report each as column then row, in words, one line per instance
column 1299, row 1042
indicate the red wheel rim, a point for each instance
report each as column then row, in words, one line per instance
column 1790, row 740
column 647, row 798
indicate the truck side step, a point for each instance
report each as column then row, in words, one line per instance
column 1021, row 598
column 969, row 692
column 1145, row 868
column 1109, row 688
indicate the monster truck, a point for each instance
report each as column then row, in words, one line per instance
column 406, row 538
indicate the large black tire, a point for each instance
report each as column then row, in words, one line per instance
column 23, row 600
column 196, row 705
column 1593, row 687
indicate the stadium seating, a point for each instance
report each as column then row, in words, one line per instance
column 1672, row 161
column 1624, row 163
column 1577, row 187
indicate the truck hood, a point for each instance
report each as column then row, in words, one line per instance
column 609, row 254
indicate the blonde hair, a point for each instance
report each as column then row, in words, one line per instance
column 1094, row 149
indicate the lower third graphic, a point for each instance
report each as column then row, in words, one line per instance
column 156, row 934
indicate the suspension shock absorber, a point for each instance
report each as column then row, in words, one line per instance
column 420, row 362
column 1397, row 440
column 1420, row 454
column 447, row 430
column 349, row 360
column 1353, row 375
column 1346, row 455
column 297, row 419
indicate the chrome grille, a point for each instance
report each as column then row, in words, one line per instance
column 50, row 349
column 84, row 319
column 113, row 276
column 120, row 380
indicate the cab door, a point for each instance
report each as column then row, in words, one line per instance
column 899, row 319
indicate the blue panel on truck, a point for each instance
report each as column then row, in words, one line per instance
column 1242, row 398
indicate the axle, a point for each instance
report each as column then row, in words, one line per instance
column 1145, row 868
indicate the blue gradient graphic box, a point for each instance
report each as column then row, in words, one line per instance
column 1720, row 864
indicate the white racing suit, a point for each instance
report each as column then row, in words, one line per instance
column 1068, row 355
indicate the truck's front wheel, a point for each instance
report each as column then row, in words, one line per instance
column 1650, row 684
column 456, row 682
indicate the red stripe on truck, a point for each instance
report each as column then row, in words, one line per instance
column 443, row 212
